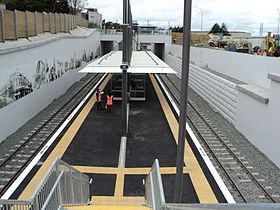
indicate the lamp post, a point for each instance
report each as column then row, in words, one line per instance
column 178, row 186
column 201, row 29
column 278, row 22
column 201, row 18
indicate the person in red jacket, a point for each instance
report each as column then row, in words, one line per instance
column 99, row 99
column 109, row 102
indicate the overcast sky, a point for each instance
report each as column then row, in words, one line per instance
column 238, row 15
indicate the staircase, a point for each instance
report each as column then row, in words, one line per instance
column 114, row 202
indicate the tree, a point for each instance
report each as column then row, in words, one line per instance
column 217, row 29
column 177, row 29
column 59, row 6
column 224, row 30
column 77, row 5
column 109, row 25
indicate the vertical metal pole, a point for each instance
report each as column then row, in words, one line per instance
column 201, row 34
column 124, row 70
column 183, row 104
column 59, row 184
column 278, row 23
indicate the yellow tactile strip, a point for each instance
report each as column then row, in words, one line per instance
column 203, row 189
column 63, row 144
column 113, row 202
column 108, row 207
column 117, row 201
column 126, row 171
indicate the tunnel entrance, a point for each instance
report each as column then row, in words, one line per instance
column 158, row 50
column 106, row 47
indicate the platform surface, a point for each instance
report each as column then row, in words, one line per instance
column 92, row 145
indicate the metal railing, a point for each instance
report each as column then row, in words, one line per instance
column 155, row 199
column 154, row 194
column 61, row 185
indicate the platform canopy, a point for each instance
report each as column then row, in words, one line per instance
column 141, row 62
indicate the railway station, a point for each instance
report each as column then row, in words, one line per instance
column 128, row 120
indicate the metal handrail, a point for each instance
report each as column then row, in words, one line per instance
column 61, row 185
column 55, row 187
column 154, row 194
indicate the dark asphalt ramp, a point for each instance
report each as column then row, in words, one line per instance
column 149, row 134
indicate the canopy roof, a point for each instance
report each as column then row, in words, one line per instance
column 141, row 62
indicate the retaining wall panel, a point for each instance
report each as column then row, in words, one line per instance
column 52, row 23
column 31, row 23
column 21, row 24
column 1, row 27
column 47, row 22
column 9, row 25
column 40, row 23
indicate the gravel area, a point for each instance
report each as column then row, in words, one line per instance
column 9, row 143
column 264, row 168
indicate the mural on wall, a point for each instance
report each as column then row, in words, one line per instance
column 18, row 85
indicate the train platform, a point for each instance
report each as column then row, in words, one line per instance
column 92, row 144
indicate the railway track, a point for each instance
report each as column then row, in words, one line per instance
column 18, row 158
column 240, row 178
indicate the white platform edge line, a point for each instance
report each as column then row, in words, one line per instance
column 202, row 153
column 31, row 165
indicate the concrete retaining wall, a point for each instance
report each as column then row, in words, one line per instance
column 259, row 121
column 221, row 94
column 47, row 69
column 247, row 68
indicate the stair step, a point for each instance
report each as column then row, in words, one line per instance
column 117, row 201
column 92, row 207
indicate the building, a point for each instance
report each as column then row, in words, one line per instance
column 93, row 16
column 2, row 6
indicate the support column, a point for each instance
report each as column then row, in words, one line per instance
column 183, row 104
column 124, row 68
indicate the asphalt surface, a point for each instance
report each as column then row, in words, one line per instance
column 97, row 142
column 149, row 136
column 102, row 184
column 134, row 187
